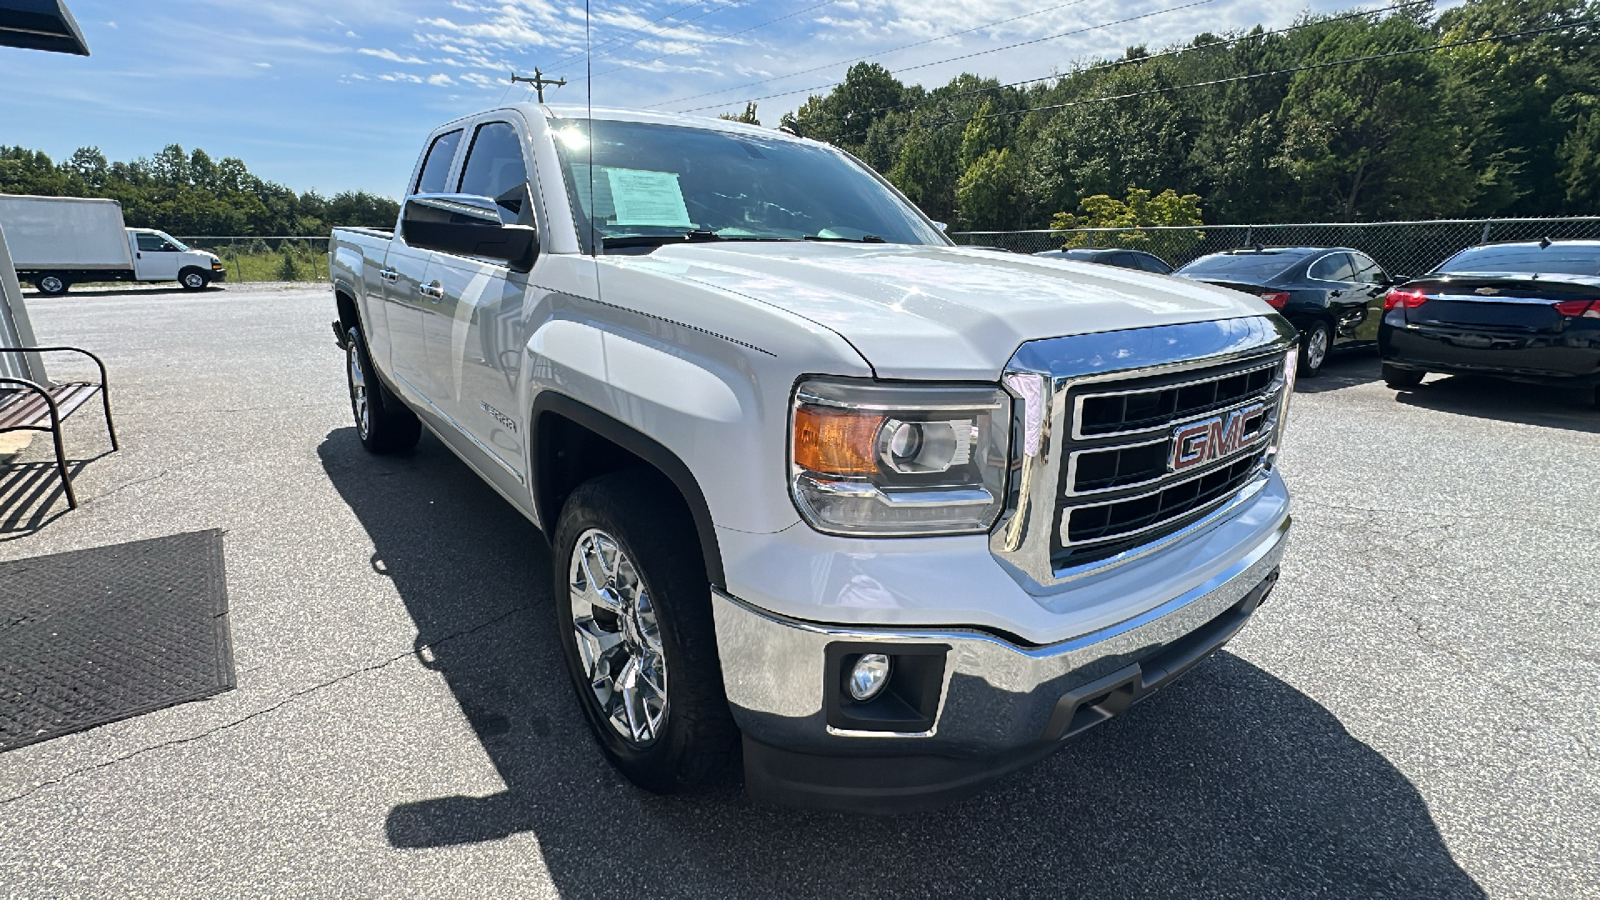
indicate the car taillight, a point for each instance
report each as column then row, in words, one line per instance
column 1589, row 309
column 1399, row 299
column 1275, row 299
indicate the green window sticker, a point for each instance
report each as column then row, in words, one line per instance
column 643, row 197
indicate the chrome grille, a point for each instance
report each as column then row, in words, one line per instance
column 1118, row 486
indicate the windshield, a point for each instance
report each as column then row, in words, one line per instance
column 1570, row 259
column 174, row 241
column 1241, row 266
column 651, row 180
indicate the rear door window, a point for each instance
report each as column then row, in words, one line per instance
column 494, row 164
column 1367, row 269
column 436, row 168
column 1151, row 264
column 1333, row 267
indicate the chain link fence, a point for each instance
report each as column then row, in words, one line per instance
column 273, row 258
column 1402, row 248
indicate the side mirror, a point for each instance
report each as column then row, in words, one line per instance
column 468, row 225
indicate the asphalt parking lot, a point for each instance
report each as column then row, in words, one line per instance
column 1414, row 713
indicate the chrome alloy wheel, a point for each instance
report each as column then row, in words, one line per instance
column 358, row 387
column 1317, row 347
column 618, row 638
column 194, row 281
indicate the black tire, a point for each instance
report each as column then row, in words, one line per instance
column 387, row 426
column 1401, row 379
column 1313, row 358
column 694, row 745
column 52, row 284
column 194, row 279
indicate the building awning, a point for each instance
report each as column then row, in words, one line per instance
column 40, row 25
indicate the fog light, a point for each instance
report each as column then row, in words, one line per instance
column 869, row 675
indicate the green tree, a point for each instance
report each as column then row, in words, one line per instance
column 748, row 116
column 1139, row 211
column 989, row 194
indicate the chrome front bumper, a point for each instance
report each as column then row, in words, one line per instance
column 1001, row 705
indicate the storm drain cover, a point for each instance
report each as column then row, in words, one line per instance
column 94, row 636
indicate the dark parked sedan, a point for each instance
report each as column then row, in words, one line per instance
column 1126, row 259
column 1329, row 293
column 1523, row 311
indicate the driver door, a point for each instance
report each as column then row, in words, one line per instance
column 154, row 259
column 479, row 323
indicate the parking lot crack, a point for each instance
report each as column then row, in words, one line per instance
column 292, row 698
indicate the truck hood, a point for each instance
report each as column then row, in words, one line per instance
column 943, row 312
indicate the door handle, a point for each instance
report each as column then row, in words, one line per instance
column 388, row 275
column 433, row 291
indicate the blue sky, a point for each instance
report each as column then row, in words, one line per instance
column 337, row 96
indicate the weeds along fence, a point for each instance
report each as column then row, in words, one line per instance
column 274, row 258
column 1403, row 248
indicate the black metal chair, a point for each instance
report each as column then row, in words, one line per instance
column 30, row 406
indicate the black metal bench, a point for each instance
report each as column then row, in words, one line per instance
column 30, row 406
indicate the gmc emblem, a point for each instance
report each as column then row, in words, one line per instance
column 1201, row 442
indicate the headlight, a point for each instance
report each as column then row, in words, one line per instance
column 1291, row 363
column 881, row 459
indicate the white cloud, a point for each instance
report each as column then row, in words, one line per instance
column 441, row 80
column 403, row 77
column 390, row 55
column 111, row 25
column 263, row 65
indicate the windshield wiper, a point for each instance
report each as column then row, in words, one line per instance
column 864, row 239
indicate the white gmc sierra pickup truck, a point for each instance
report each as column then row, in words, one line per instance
column 885, row 516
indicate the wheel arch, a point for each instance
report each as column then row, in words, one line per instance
column 349, row 314
column 559, row 422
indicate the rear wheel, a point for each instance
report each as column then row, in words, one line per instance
column 1315, row 341
column 1401, row 379
column 633, row 611
column 53, row 285
column 193, row 279
column 382, row 422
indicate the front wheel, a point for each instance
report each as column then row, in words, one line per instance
column 1401, row 379
column 194, row 280
column 382, row 422
column 54, row 285
column 634, row 614
column 1314, row 344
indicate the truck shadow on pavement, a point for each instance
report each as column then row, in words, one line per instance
column 1231, row 783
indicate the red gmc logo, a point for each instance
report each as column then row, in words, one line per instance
column 1201, row 442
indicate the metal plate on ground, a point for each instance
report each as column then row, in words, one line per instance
column 94, row 636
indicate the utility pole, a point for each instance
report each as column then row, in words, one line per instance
column 538, row 81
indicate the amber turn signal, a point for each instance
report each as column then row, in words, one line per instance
column 835, row 442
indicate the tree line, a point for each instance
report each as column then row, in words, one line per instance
column 189, row 193
column 1491, row 108
column 1434, row 122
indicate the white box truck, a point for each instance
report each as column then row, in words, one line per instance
column 58, row 241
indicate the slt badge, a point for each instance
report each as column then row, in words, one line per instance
column 1197, row 443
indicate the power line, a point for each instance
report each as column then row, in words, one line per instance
column 1175, row 51
column 1257, row 75
column 720, row 37
column 841, row 62
column 939, row 62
